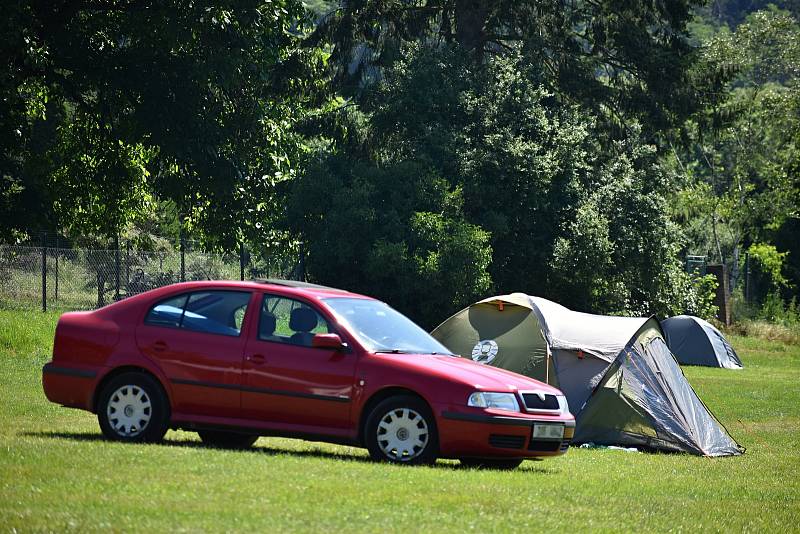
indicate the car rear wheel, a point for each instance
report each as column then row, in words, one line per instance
column 402, row 430
column 133, row 407
column 227, row 440
column 494, row 463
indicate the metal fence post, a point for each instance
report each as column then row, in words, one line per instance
column 127, row 267
column 183, row 258
column 302, row 264
column 116, row 267
column 44, row 271
column 241, row 261
column 747, row 277
column 57, row 251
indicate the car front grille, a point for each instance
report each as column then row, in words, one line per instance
column 505, row 441
column 534, row 402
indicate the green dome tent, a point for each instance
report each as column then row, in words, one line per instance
column 694, row 341
column 622, row 383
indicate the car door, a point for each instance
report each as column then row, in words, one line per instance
column 288, row 381
column 198, row 342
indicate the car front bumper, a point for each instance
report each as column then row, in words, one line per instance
column 467, row 434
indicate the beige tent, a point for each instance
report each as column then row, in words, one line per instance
column 622, row 383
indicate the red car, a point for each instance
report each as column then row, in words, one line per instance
column 238, row 360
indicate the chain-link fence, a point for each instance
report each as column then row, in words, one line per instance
column 53, row 277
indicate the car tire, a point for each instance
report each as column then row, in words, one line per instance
column 502, row 464
column 227, row 440
column 133, row 407
column 409, row 428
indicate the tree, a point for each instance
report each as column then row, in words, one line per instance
column 627, row 62
column 734, row 12
column 110, row 104
column 393, row 231
column 485, row 155
column 743, row 151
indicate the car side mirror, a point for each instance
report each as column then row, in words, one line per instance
column 327, row 341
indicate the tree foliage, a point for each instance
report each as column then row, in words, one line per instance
column 472, row 145
column 743, row 151
column 566, row 217
column 624, row 61
column 731, row 13
column 108, row 104
column 395, row 231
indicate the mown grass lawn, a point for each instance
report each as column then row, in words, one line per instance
column 57, row 474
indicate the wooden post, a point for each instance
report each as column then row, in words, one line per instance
column 723, row 296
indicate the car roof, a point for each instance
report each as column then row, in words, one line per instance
column 294, row 283
column 283, row 287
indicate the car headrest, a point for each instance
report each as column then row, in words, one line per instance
column 303, row 320
column 266, row 327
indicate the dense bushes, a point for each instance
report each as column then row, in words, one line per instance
column 396, row 232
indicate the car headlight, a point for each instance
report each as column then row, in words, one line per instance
column 503, row 401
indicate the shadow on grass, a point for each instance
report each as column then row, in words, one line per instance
column 271, row 451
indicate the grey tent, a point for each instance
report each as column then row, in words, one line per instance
column 621, row 381
column 694, row 341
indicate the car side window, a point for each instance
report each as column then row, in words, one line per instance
column 167, row 312
column 211, row 312
column 286, row 320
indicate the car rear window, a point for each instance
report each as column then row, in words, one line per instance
column 211, row 312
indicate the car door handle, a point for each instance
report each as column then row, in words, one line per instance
column 159, row 346
column 257, row 359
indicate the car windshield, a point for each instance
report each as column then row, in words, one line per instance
column 381, row 329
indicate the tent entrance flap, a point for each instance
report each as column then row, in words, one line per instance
column 644, row 400
column 577, row 375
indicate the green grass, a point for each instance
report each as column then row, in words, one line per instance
column 57, row 474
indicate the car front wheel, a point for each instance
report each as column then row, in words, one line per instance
column 402, row 430
column 133, row 407
column 227, row 440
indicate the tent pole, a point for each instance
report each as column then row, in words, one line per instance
column 547, row 367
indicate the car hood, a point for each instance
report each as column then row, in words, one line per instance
column 475, row 375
